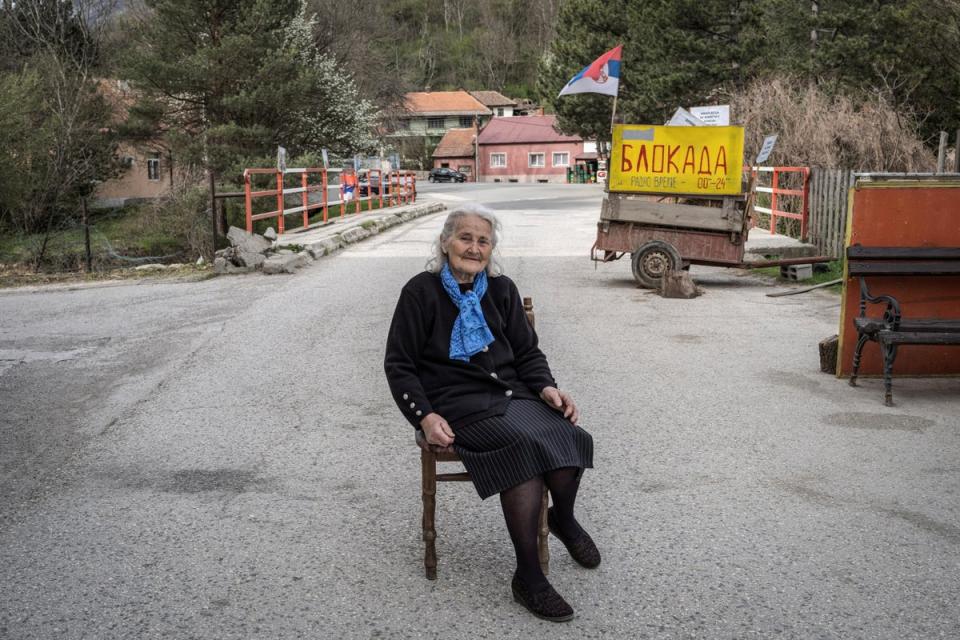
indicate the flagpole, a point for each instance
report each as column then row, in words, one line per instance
column 613, row 115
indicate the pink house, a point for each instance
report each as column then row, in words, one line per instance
column 526, row 149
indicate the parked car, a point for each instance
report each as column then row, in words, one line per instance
column 445, row 174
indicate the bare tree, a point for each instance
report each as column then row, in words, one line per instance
column 62, row 40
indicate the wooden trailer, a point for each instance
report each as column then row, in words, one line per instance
column 663, row 232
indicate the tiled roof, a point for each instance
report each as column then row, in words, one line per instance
column 452, row 103
column 457, row 143
column 493, row 99
column 523, row 129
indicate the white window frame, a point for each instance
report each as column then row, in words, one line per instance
column 553, row 158
column 153, row 169
column 499, row 155
column 531, row 154
column 499, row 112
column 466, row 122
column 431, row 121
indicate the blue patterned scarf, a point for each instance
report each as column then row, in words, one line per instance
column 470, row 331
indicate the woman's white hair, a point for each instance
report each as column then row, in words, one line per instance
column 439, row 257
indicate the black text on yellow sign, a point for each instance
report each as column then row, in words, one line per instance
column 686, row 160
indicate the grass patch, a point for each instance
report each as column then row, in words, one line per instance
column 17, row 276
column 834, row 271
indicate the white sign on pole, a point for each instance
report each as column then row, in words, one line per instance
column 714, row 116
column 766, row 148
column 683, row 118
column 281, row 159
column 326, row 160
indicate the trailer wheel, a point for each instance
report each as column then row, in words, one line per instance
column 652, row 260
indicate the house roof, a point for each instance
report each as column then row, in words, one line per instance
column 493, row 99
column 439, row 103
column 519, row 129
column 456, row 143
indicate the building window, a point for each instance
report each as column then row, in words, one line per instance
column 153, row 167
column 435, row 123
column 561, row 159
column 498, row 159
column 535, row 160
column 500, row 112
column 466, row 121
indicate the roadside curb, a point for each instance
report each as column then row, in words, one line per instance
column 329, row 239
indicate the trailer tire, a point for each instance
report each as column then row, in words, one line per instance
column 652, row 260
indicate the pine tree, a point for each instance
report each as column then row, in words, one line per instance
column 232, row 79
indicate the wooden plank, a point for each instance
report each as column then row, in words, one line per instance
column 904, row 253
column 904, row 268
column 903, row 337
column 816, row 209
column 685, row 216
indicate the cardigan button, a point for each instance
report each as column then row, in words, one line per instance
column 419, row 413
column 508, row 392
column 486, row 348
column 493, row 375
column 406, row 396
column 413, row 404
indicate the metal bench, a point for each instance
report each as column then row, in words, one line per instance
column 892, row 330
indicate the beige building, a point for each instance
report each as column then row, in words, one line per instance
column 147, row 174
column 147, row 169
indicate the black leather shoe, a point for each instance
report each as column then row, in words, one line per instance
column 546, row 604
column 582, row 549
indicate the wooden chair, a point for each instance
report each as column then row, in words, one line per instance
column 430, row 455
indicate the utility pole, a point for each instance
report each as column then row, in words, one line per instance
column 476, row 148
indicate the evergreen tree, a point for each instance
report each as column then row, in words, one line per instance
column 232, row 79
column 687, row 52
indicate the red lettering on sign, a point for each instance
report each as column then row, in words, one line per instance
column 658, row 158
column 642, row 158
column 721, row 160
column 688, row 161
column 670, row 163
column 704, row 169
column 624, row 160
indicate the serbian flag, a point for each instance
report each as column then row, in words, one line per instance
column 601, row 76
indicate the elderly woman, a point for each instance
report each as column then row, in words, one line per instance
column 464, row 366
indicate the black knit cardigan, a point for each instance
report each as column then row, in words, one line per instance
column 422, row 377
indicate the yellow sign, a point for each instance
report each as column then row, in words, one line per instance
column 688, row 160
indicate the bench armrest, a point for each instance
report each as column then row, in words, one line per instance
column 891, row 315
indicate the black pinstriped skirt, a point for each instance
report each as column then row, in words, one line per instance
column 529, row 439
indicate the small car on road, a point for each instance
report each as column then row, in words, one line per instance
column 445, row 174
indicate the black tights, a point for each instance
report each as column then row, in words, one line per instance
column 521, row 509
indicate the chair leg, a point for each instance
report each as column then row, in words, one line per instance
column 544, row 532
column 889, row 355
column 429, row 481
column 856, row 358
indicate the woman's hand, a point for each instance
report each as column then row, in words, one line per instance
column 561, row 401
column 436, row 430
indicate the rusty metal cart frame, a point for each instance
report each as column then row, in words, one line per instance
column 667, row 235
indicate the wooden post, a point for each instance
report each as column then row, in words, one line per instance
column 213, row 212
column 86, row 233
column 942, row 153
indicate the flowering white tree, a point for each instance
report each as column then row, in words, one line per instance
column 229, row 80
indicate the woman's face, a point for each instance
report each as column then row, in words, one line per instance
column 468, row 249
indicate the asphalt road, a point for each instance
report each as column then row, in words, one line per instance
column 222, row 459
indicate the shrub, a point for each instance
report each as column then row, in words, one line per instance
column 815, row 128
